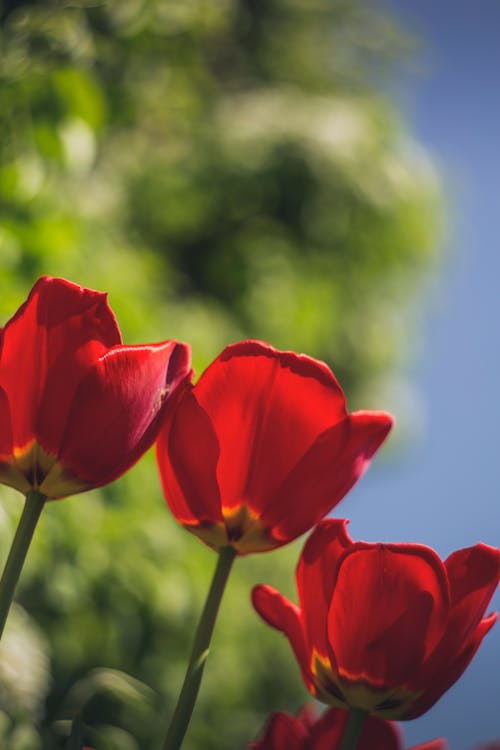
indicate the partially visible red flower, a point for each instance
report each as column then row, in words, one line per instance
column 287, row 732
column 77, row 407
column 262, row 447
column 386, row 628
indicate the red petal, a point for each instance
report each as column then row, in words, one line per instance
column 376, row 733
column 449, row 666
column 369, row 429
column 473, row 575
column 281, row 614
column 267, row 407
column 187, row 453
column 315, row 577
column 307, row 493
column 326, row 472
column 6, row 444
column 47, row 345
column 308, row 715
column 116, row 411
column 10, row 474
column 283, row 732
column 387, row 612
column 329, row 730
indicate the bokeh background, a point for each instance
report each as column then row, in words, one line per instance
column 444, row 489
column 317, row 174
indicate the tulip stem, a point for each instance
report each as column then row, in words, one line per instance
column 18, row 551
column 353, row 728
column 187, row 698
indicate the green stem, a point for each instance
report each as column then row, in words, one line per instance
column 75, row 740
column 17, row 555
column 199, row 653
column 353, row 728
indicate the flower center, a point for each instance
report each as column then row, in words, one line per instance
column 31, row 467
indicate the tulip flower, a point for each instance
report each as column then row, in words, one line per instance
column 383, row 629
column 77, row 407
column 262, row 447
column 306, row 732
column 253, row 456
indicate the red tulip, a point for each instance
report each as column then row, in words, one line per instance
column 77, row 407
column 262, row 447
column 386, row 628
column 286, row 732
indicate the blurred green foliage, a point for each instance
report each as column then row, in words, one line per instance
column 225, row 168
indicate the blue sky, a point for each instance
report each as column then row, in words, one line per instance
column 444, row 490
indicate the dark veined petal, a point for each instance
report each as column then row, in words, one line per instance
column 267, row 407
column 388, row 610
column 285, row 616
column 116, row 410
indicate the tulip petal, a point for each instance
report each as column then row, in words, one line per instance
column 6, row 443
column 328, row 731
column 116, row 410
column 315, row 577
column 283, row 732
column 376, row 734
column 285, row 616
column 473, row 575
column 368, row 431
column 308, row 491
column 188, row 471
column 256, row 398
column 449, row 668
column 325, row 473
column 55, row 334
column 387, row 612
